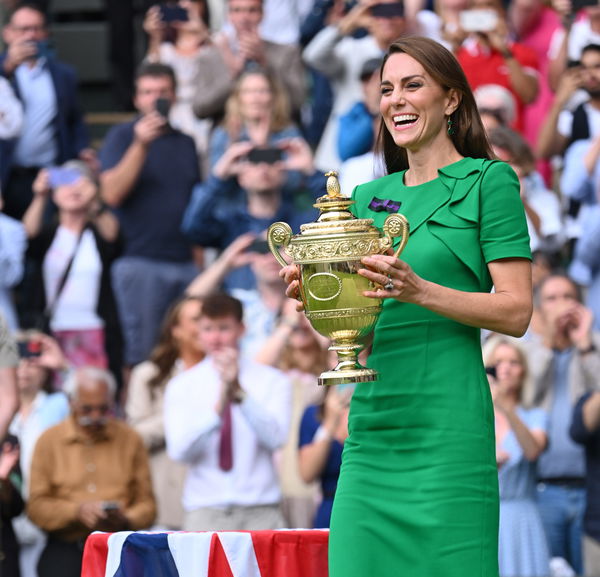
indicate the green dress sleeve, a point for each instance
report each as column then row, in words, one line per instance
column 503, row 226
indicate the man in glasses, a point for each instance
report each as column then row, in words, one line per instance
column 88, row 473
column 53, row 130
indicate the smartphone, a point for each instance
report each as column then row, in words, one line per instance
column 478, row 20
column 62, row 176
column 43, row 49
column 162, row 106
column 259, row 245
column 491, row 371
column 173, row 13
column 269, row 155
column 29, row 349
column 390, row 10
column 108, row 506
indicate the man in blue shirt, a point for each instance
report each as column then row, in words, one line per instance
column 53, row 130
column 564, row 364
column 247, row 195
column 148, row 172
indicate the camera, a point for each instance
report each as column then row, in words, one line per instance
column 259, row 245
column 491, row 371
column 391, row 10
column 29, row 349
column 162, row 106
column 270, row 155
column 478, row 20
column 173, row 13
column 58, row 176
column 108, row 506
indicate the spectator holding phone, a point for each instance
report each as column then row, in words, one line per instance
column 489, row 56
column 337, row 54
column 571, row 127
column 520, row 440
column 239, row 47
column 258, row 111
column 74, row 257
column 262, row 302
column 245, row 193
column 53, row 130
column 179, row 36
column 89, row 472
column 40, row 408
column 148, row 172
column 580, row 26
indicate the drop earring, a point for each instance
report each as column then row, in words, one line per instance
column 451, row 128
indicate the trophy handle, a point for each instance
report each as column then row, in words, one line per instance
column 396, row 225
column 279, row 234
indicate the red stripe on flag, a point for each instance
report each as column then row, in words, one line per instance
column 291, row 553
column 94, row 555
column 218, row 566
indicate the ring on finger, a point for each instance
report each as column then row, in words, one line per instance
column 389, row 285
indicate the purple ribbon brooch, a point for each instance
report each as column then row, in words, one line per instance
column 381, row 204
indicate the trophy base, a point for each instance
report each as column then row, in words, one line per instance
column 347, row 377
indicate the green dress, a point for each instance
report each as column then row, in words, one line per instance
column 418, row 490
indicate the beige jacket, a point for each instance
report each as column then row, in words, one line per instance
column 144, row 412
column 584, row 374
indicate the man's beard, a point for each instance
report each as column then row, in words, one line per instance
column 594, row 93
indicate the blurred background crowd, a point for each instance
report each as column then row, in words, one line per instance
column 133, row 256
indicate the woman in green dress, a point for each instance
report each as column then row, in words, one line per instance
column 418, row 494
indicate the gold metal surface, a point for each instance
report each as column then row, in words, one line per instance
column 328, row 253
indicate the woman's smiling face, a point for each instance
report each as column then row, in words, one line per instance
column 413, row 105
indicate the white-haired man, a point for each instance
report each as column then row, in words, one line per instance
column 90, row 472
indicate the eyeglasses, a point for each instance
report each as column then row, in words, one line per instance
column 24, row 29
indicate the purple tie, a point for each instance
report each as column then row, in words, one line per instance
column 225, row 446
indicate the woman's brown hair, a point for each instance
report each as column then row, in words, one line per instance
column 280, row 107
column 166, row 351
column 469, row 137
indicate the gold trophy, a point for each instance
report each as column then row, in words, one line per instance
column 328, row 253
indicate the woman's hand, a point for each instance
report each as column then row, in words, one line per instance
column 359, row 16
column 232, row 161
column 291, row 275
column 41, row 184
column 503, row 401
column 153, row 24
column 333, row 410
column 397, row 279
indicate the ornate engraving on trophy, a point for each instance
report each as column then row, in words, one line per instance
column 323, row 286
column 328, row 254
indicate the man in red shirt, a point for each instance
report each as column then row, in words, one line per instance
column 488, row 56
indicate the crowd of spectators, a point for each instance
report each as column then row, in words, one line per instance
column 161, row 378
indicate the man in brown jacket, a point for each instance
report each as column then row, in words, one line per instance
column 89, row 473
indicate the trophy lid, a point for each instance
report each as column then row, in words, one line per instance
column 334, row 212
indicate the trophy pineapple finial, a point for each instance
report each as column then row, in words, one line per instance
column 333, row 185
